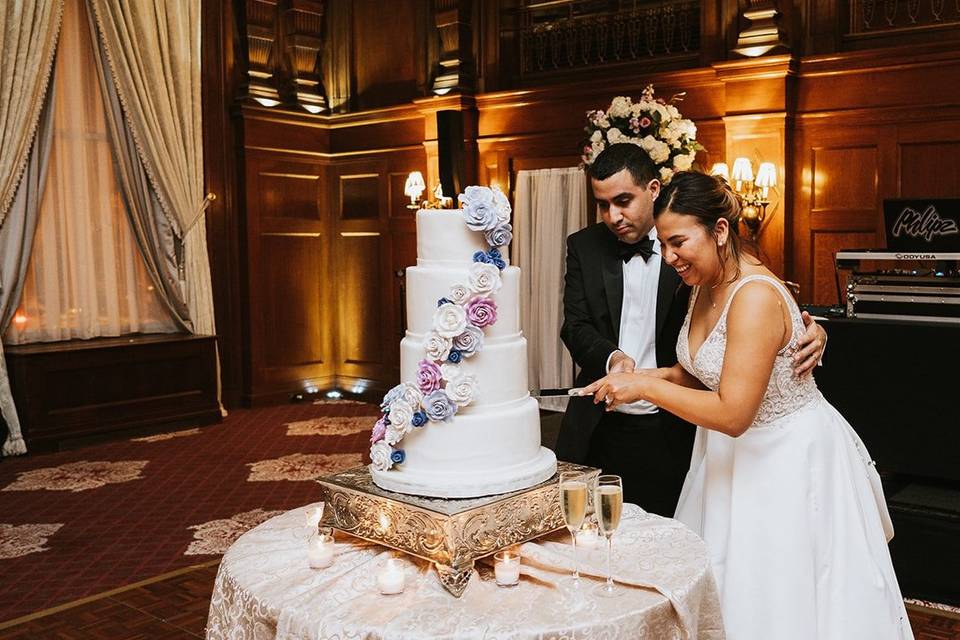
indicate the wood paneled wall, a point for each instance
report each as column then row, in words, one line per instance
column 312, row 236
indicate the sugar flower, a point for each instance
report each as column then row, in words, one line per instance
column 470, row 341
column 436, row 346
column 484, row 280
column 482, row 312
column 499, row 236
column 428, row 377
column 438, row 406
column 462, row 389
column 380, row 454
column 449, row 319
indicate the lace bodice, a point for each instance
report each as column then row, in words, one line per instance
column 785, row 393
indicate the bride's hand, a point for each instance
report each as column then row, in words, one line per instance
column 618, row 388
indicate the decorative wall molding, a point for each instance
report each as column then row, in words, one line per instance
column 302, row 26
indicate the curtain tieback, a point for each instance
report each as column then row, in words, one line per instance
column 201, row 209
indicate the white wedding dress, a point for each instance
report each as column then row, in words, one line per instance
column 792, row 511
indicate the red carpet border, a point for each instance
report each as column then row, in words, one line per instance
column 77, row 523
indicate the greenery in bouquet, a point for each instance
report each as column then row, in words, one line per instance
column 655, row 125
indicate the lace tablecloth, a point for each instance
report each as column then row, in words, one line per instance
column 266, row 589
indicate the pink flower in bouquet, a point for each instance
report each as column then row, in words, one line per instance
column 481, row 312
column 645, row 122
column 428, row 376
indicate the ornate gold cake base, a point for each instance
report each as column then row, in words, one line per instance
column 453, row 534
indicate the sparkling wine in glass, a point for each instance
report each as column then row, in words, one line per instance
column 573, row 505
column 608, row 502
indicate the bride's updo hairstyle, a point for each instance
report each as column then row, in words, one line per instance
column 708, row 199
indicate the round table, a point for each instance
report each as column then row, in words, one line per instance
column 266, row 589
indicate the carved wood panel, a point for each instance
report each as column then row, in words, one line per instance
column 288, row 245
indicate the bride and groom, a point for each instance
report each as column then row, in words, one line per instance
column 679, row 324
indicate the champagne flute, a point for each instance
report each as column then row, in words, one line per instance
column 573, row 505
column 608, row 502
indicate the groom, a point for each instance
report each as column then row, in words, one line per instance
column 623, row 308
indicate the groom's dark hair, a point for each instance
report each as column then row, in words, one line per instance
column 624, row 155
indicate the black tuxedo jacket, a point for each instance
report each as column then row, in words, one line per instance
column 592, row 302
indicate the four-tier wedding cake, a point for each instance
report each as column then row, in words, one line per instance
column 461, row 423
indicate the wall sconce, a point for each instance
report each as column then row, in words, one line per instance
column 753, row 193
column 413, row 187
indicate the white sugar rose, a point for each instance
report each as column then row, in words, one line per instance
column 462, row 389
column 449, row 371
column 479, row 208
column 400, row 415
column 484, row 279
column 459, row 293
column 412, row 395
column 450, row 319
column 437, row 347
column 380, row 456
column 502, row 205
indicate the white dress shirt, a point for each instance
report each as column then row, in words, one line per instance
column 638, row 317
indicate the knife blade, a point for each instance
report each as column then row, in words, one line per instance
column 543, row 393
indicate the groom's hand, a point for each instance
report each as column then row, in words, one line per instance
column 812, row 344
column 621, row 363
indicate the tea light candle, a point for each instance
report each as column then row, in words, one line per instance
column 506, row 568
column 314, row 514
column 390, row 579
column 320, row 551
column 589, row 535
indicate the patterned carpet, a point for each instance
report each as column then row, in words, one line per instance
column 77, row 523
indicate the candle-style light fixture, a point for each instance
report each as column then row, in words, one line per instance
column 753, row 192
column 413, row 187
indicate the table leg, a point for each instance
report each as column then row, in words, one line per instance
column 455, row 579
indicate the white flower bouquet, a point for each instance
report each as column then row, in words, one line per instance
column 651, row 123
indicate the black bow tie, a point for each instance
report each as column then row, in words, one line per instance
column 644, row 248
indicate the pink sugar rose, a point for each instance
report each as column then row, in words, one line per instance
column 481, row 312
column 379, row 430
column 428, row 376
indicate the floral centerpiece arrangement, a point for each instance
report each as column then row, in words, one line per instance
column 655, row 125
column 441, row 386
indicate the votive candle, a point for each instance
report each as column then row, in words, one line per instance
column 589, row 535
column 320, row 551
column 506, row 568
column 390, row 579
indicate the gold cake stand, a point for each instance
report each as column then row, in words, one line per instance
column 453, row 534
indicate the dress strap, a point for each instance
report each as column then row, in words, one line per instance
column 779, row 286
column 792, row 307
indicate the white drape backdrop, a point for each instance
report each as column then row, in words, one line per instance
column 86, row 277
column 153, row 47
column 550, row 204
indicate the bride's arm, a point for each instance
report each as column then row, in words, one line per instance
column 755, row 331
column 675, row 374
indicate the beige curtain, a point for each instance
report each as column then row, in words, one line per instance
column 153, row 48
column 550, row 205
column 86, row 277
column 28, row 38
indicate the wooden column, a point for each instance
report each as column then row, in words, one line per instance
column 759, row 123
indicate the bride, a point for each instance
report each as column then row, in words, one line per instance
column 780, row 486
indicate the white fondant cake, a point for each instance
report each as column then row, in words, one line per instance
column 492, row 443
